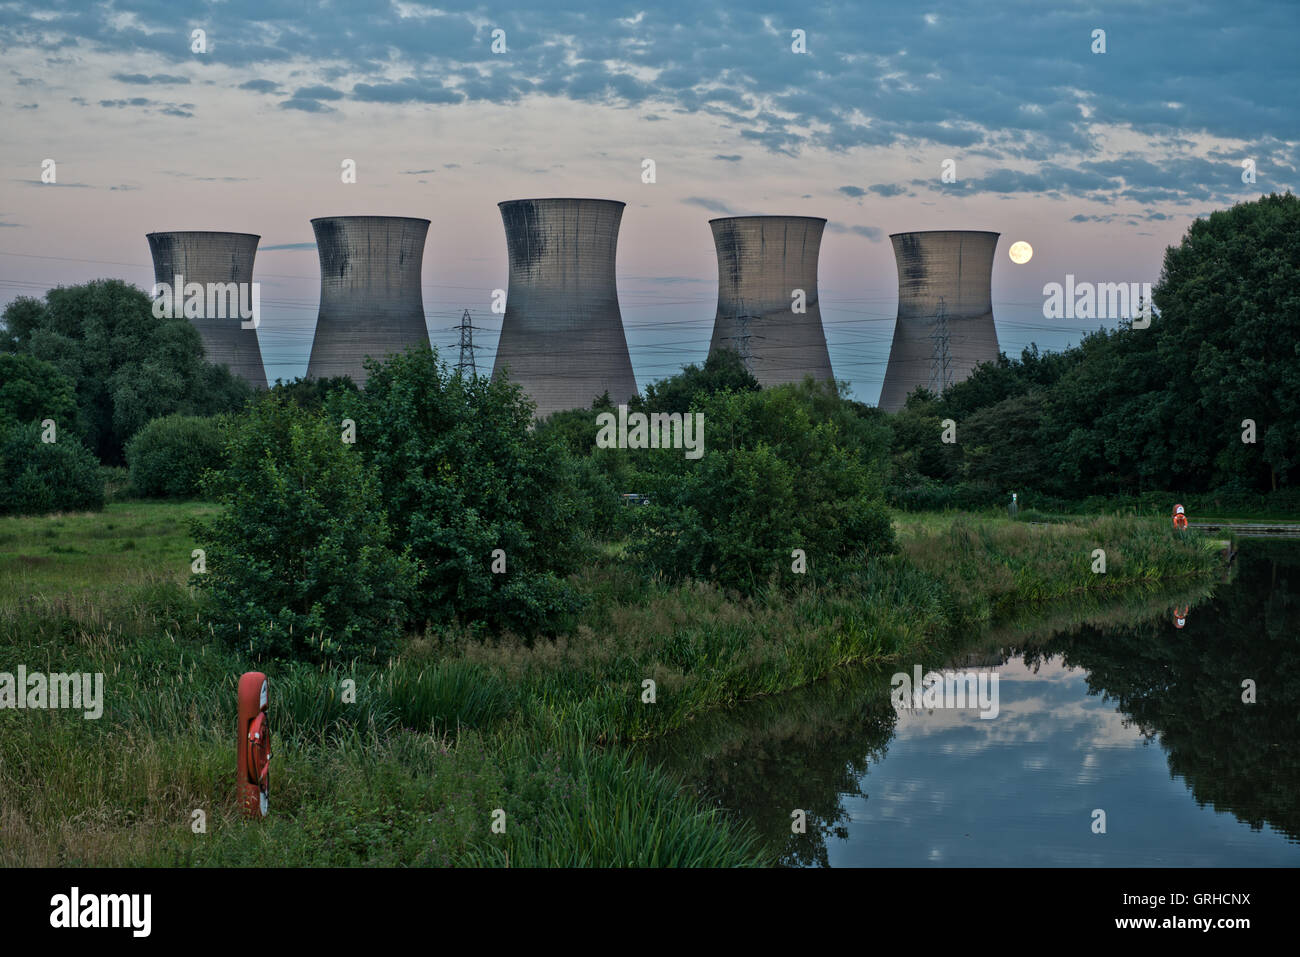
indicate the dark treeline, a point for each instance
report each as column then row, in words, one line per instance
column 1132, row 411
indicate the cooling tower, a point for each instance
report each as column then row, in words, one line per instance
column 562, row 335
column 205, row 258
column 370, row 301
column 762, row 261
column 955, row 266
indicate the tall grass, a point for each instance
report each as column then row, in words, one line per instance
column 406, row 763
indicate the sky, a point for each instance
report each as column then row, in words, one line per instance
column 1099, row 160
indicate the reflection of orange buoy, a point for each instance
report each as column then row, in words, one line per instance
column 1180, row 518
column 1180, row 615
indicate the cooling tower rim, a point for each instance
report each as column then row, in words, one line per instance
column 412, row 219
column 773, row 216
column 924, row 232
column 561, row 199
column 198, row 232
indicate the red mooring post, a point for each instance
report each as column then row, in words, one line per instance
column 253, row 745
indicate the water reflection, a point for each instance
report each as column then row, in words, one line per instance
column 1114, row 709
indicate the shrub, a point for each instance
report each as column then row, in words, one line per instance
column 168, row 457
column 32, row 389
column 299, row 563
column 39, row 477
column 462, row 473
column 777, row 474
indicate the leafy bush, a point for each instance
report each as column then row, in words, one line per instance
column 299, row 560
column 462, row 473
column 777, row 473
column 32, row 390
column 310, row 393
column 168, row 457
column 39, row 477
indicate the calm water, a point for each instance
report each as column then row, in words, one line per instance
column 1124, row 713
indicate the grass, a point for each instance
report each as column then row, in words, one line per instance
column 125, row 545
column 453, row 732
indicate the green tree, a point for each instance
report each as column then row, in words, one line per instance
column 722, row 371
column 311, row 393
column 32, row 390
column 301, row 562
column 1229, row 326
column 777, row 474
column 463, row 474
column 127, row 367
column 919, row 451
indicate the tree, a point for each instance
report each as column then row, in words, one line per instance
column 723, row 371
column 300, row 561
column 918, row 447
column 1229, row 322
column 311, row 393
column 1005, row 447
column 126, row 366
column 487, row 504
column 32, row 390
column 778, row 473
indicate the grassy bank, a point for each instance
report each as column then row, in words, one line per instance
column 451, row 730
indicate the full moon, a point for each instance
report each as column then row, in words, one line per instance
column 1021, row 252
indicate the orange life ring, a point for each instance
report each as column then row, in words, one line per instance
column 1180, row 522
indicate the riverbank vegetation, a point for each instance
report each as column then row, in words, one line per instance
column 455, row 725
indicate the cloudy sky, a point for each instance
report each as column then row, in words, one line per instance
column 1099, row 160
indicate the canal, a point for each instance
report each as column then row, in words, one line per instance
column 1120, row 739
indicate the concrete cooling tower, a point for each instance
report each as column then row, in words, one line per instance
column 762, row 260
column 948, row 273
column 205, row 257
column 370, row 300
column 562, row 335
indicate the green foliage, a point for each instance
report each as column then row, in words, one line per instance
column 168, row 457
column 311, row 393
column 918, row 446
column 300, row 562
column 723, row 371
column 1004, row 444
column 461, row 474
column 928, row 495
column 1229, row 301
column 127, row 366
column 32, row 390
column 1129, row 411
column 38, row 477
column 781, row 470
